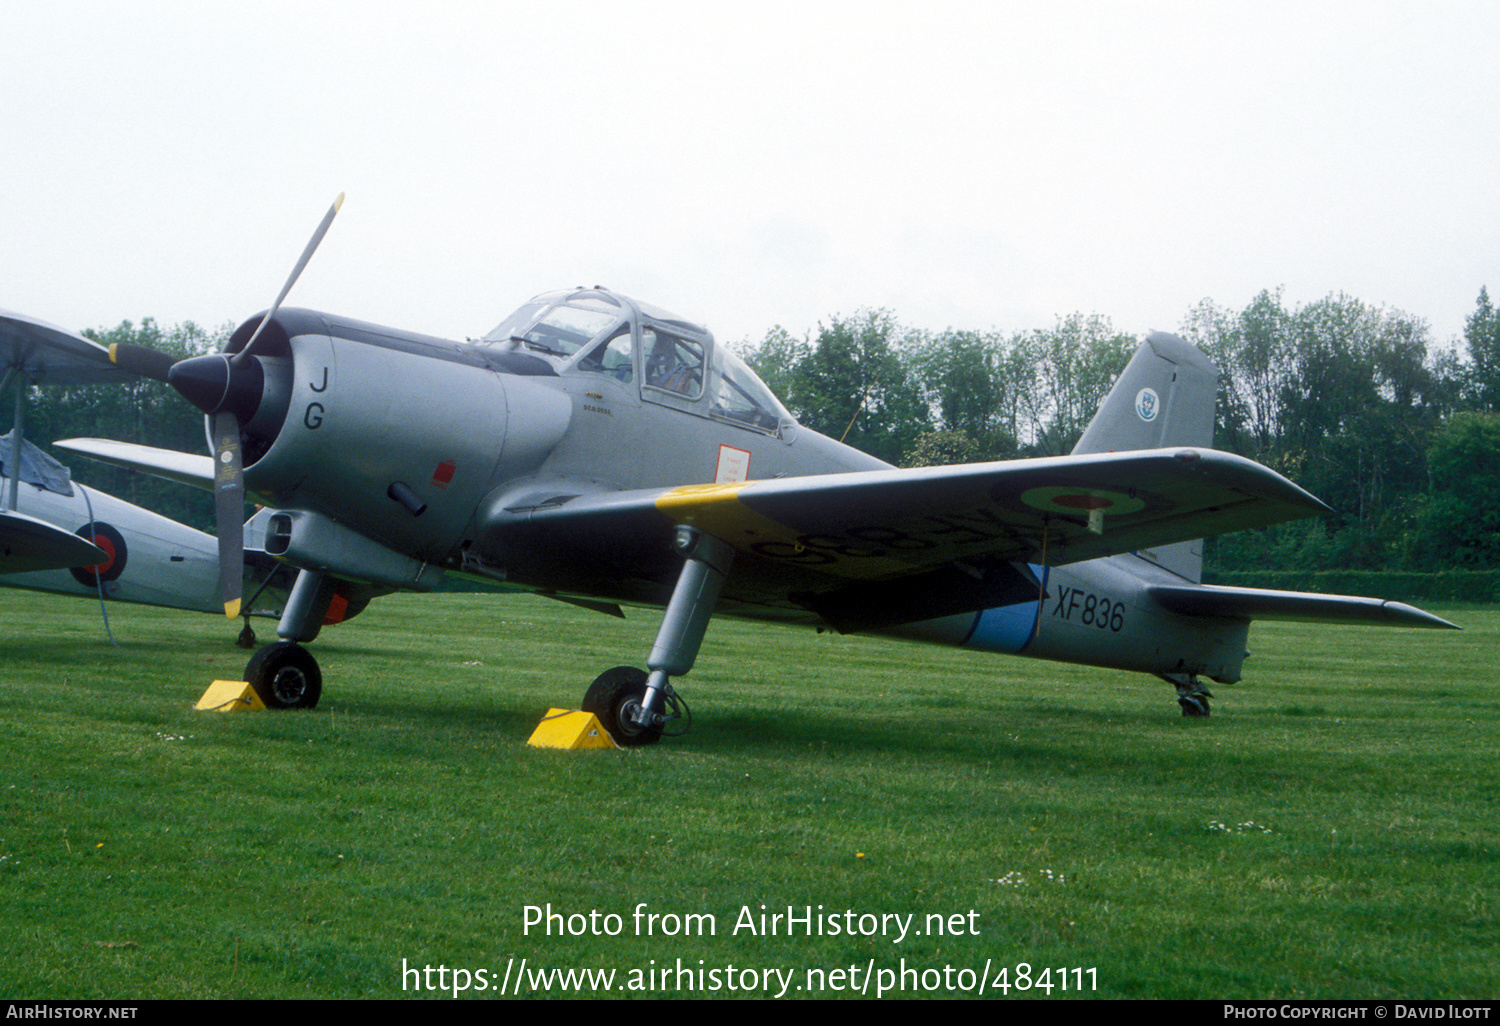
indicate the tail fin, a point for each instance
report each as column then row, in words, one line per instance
column 1165, row 397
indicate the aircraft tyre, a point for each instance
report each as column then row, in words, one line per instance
column 285, row 676
column 613, row 697
column 1195, row 706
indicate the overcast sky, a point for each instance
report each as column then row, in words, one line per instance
column 981, row 165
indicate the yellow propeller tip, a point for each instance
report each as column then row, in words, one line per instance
column 232, row 609
column 113, row 357
column 338, row 202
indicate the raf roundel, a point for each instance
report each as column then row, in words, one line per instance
column 113, row 545
column 1054, row 499
column 1147, row 404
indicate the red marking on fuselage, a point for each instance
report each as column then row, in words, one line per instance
column 338, row 608
column 109, row 554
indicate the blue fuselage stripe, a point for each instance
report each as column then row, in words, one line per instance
column 1007, row 628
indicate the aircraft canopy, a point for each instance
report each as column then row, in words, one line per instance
column 673, row 361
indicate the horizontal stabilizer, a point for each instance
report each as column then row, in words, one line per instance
column 1295, row 606
column 28, row 544
column 183, row 467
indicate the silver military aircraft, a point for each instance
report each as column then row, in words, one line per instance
column 602, row 451
column 58, row 535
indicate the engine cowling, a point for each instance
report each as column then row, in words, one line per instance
column 395, row 435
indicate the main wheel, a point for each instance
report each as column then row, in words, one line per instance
column 285, row 676
column 614, row 697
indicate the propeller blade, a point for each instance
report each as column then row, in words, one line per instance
column 148, row 363
column 214, row 385
column 229, row 509
column 307, row 253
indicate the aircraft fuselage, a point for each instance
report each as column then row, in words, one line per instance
column 1099, row 613
column 149, row 558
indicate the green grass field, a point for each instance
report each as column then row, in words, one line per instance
column 1332, row 832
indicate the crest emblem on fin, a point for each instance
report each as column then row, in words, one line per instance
column 1147, row 404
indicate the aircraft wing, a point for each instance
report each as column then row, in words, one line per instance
column 186, row 468
column 29, row 544
column 875, row 548
column 50, row 355
column 1295, row 606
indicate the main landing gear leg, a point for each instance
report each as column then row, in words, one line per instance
column 630, row 703
column 285, row 675
column 1191, row 694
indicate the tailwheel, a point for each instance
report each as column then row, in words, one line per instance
column 285, row 676
column 1191, row 694
column 1195, row 706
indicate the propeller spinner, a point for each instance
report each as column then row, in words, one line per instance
column 227, row 388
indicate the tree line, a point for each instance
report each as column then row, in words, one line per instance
column 1353, row 402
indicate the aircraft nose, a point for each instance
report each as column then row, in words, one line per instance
column 215, row 385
